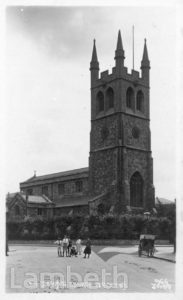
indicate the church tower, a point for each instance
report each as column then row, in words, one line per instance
column 120, row 140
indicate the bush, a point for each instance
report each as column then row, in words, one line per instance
column 124, row 226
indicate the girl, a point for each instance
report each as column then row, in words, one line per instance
column 87, row 248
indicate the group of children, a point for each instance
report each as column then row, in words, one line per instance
column 66, row 247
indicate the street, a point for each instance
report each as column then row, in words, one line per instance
column 36, row 268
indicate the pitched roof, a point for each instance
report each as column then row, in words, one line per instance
column 31, row 198
column 37, row 199
column 57, row 175
column 163, row 201
column 97, row 197
column 70, row 201
column 10, row 196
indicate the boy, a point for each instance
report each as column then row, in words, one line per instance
column 78, row 246
column 65, row 245
column 59, row 242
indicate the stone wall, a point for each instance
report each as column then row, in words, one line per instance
column 104, row 133
column 12, row 209
column 143, row 141
column 103, row 168
column 34, row 211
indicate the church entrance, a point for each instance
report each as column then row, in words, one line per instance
column 136, row 190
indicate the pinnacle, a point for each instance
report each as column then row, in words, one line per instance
column 145, row 53
column 94, row 53
column 119, row 42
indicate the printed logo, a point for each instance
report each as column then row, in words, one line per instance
column 161, row 284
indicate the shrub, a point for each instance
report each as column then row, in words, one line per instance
column 124, row 226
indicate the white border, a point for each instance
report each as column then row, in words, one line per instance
column 179, row 68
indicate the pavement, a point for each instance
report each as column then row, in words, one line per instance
column 161, row 252
column 165, row 253
column 37, row 269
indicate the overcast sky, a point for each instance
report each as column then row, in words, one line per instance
column 48, row 85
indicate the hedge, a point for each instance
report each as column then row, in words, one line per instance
column 95, row 227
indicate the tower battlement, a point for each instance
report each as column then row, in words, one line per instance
column 134, row 76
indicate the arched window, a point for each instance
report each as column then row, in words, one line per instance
column 110, row 98
column 17, row 210
column 100, row 102
column 129, row 97
column 136, row 190
column 101, row 209
column 140, row 101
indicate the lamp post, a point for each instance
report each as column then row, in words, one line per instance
column 6, row 235
column 26, row 200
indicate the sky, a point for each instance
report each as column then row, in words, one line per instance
column 48, row 52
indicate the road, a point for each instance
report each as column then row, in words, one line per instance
column 37, row 268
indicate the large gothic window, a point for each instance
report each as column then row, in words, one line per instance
column 129, row 97
column 140, row 101
column 110, row 98
column 100, row 102
column 136, row 190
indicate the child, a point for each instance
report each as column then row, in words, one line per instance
column 78, row 246
column 69, row 247
column 73, row 251
column 65, row 245
column 87, row 250
column 59, row 242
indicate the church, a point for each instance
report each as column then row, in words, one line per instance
column 119, row 177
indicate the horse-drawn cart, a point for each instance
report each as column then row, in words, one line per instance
column 146, row 245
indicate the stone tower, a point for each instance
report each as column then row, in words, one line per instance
column 120, row 140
